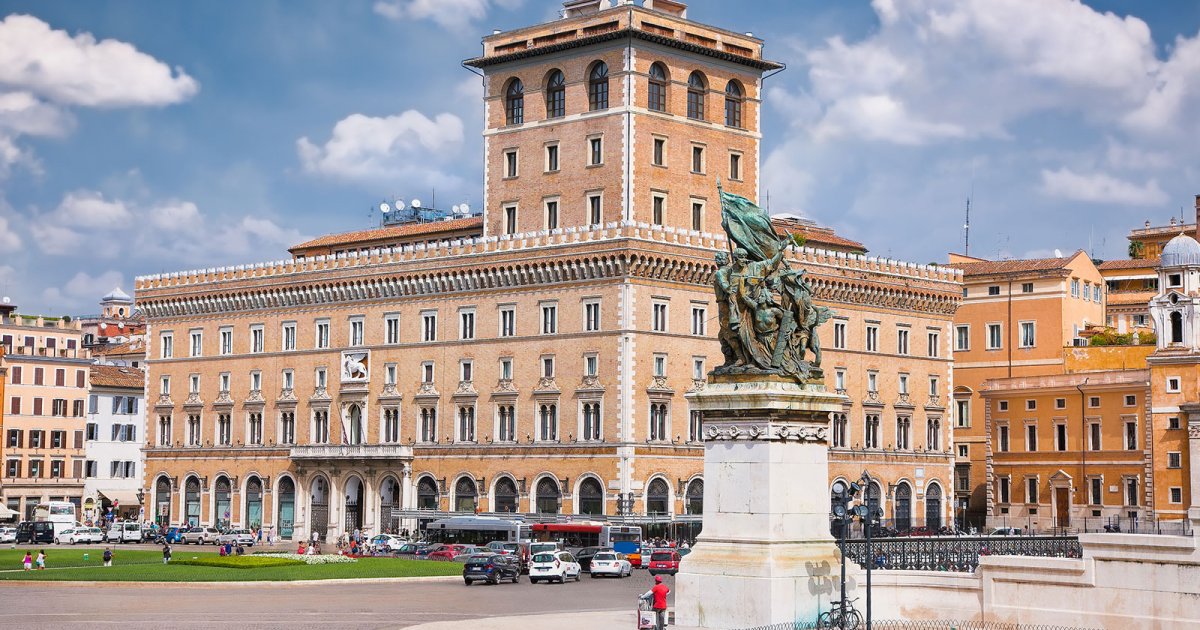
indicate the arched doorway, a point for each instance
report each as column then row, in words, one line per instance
column 933, row 506
column 162, row 501
column 427, row 494
column 191, row 499
column 223, row 505
column 287, row 508
column 254, row 503
column 318, row 517
column 548, row 496
column 356, row 425
column 354, row 504
column 506, row 495
column 902, row 509
column 695, row 497
column 591, row 496
column 389, row 505
column 658, row 497
column 465, row 495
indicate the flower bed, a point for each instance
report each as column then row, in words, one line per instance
column 238, row 562
column 306, row 559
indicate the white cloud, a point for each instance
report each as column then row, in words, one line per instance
column 23, row 113
column 10, row 241
column 175, row 216
column 90, row 209
column 450, row 14
column 83, row 71
column 1176, row 93
column 82, row 289
column 56, row 240
column 1100, row 188
column 408, row 146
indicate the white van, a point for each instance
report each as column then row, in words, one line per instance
column 125, row 532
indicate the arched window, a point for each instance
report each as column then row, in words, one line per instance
column 464, row 495
column 514, row 103
column 254, row 496
column 902, row 510
column 287, row 508
column 192, row 500
column 656, row 96
column 591, row 497
column 598, row 87
column 1176, row 327
column 506, row 496
column 695, row 497
column 356, row 425
column 318, row 507
column 427, row 494
column 697, row 87
column 556, row 95
column 548, row 423
column 548, row 494
column 162, row 501
column 223, row 493
column 658, row 497
column 733, row 104
column 933, row 506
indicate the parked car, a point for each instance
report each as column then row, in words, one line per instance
column 173, row 535
column 8, row 534
column 81, row 534
column 407, row 549
column 423, row 551
column 1006, row 531
column 491, row 568
column 35, row 532
column 664, row 561
column 544, row 547
column 388, row 542
column 553, row 566
column 584, row 556
column 124, row 532
column 467, row 551
column 446, row 553
column 609, row 562
column 201, row 535
column 236, row 537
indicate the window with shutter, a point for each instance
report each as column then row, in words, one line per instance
column 77, row 467
column 116, row 431
column 60, row 377
column 15, row 406
column 131, row 432
column 21, row 438
column 80, row 377
column 78, row 441
column 37, row 406
column 77, row 408
column 15, row 375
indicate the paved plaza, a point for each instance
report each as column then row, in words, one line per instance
column 340, row 605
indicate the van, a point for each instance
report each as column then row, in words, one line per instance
column 35, row 532
column 544, row 547
column 125, row 532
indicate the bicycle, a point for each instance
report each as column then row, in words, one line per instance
column 849, row 619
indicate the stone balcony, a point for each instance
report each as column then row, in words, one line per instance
column 312, row 452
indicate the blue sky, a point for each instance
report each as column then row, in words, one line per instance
column 140, row 137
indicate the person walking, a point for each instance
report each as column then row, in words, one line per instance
column 166, row 552
column 28, row 561
column 108, row 557
column 258, row 536
column 41, row 560
column 658, row 596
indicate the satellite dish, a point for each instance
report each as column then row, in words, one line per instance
column 398, row 204
column 385, row 208
column 1057, row 254
column 454, row 209
column 416, row 203
column 465, row 209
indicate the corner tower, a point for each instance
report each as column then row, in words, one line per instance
column 618, row 112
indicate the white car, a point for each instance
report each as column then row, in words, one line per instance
column 390, row 542
column 610, row 563
column 236, row 537
column 8, row 534
column 78, row 535
column 554, row 566
column 124, row 532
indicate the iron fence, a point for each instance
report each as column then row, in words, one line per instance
column 922, row 624
column 1023, row 526
column 956, row 553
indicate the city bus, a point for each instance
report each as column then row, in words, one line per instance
column 476, row 530
column 62, row 514
column 626, row 539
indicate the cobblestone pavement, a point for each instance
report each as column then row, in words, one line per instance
column 301, row 606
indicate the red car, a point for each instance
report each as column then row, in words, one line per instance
column 664, row 561
column 446, row 553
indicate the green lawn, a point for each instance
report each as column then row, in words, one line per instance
column 67, row 564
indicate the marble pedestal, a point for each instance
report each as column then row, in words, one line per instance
column 765, row 554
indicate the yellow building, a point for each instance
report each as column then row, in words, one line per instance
column 1016, row 318
column 539, row 367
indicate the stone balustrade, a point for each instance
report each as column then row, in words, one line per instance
column 351, row 451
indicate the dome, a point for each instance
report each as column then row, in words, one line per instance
column 117, row 295
column 1181, row 251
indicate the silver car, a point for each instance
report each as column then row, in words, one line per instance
column 201, row 535
column 236, row 537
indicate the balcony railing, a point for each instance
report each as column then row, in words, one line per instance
column 956, row 553
column 352, row 451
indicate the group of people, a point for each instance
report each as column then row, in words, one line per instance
column 29, row 561
column 668, row 543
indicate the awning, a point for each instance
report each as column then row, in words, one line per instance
column 6, row 513
column 121, row 497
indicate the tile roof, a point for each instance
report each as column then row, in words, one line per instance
column 1133, row 263
column 391, row 232
column 135, row 346
column 1131, row 297
column 990, row 267
column 117, row 376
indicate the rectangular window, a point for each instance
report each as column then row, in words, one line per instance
column 510, row 220
column 1031, row 438
column 1096, row 491
column 591, row 316
column 1173, row 423
column 551, row 158
column 699, row 372
column 902, row 384
column 735, row 166
column 1028, row 339
column 591, row 363
column 1130, row 400
column 1027, row 287
column 510, row 163
column 506, row 368
column 1093, row 401
column 429, row 326
column 660, row 151
column 1074, row 287
column 1002, row 439
column 839, row 380
column 288, row 379
column 660, row 365
column 658, row 209
column 934, row 341
column 287, row 334
column 1060, row 437
column 1096, row 293
column 547, row 367
column 466, row 370
column 1094, row 436
column 164, row 386
column 595, row 215
column 995, row 340
column 595, row 151
column 225, row 336
column 389, row 373
column 902, row 341
column 1060, row 403
column 933, row 387
column 508, row 321
column 257, row 339
column 427, row 372
column 322, row 332
column 994, row 290
column 872, row 381
column 962, row 338
column 1031, row 490
column 321, row 378
column 549, row 319
column 659, row 316
column 839, row 335
column 466, row 324
column 357, row 325
column 1131, row 441
column 1131, row 491
column 255, row 380
column 872, row 339
column 699, row 320
column 193, row 383
column 1173, row 386
column 391, row 328
column 697, row 215
column 1174, row 460
column 552, row 215
column 1030, row 404
column 697, row 159
column 196, row 343
column 964, row 451
column 166, row 346
column 1176, row 495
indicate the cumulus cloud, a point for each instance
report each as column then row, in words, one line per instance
column 83, row 289
column 1100, row 188
column 449, row 14
column 408, row 147
column 91, row 210
column 175, row 216
column 44, row 72
column 10, row 241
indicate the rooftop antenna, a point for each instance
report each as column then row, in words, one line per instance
column 967, row 231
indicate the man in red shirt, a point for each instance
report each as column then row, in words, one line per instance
column 658, row 595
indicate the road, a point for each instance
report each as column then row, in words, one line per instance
column 300, row 606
